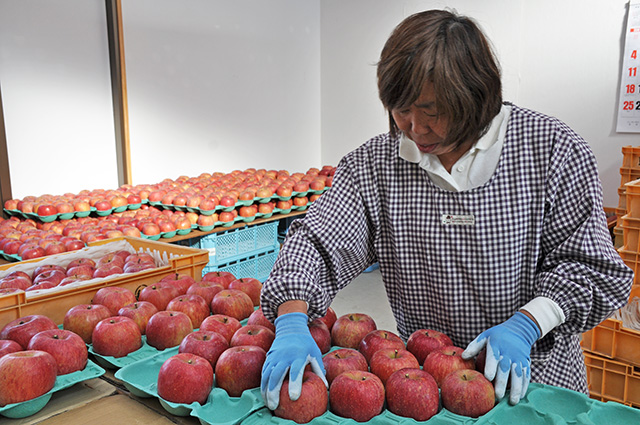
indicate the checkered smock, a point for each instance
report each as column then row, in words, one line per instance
column 462, row 262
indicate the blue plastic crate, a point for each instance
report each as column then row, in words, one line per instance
column 243, row 242
column 257, row 266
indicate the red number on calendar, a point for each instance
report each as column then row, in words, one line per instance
column 628, row 105
column 633, row 71
column 631, row 88
column 634, row 54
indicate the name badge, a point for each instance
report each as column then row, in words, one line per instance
column 458, row 220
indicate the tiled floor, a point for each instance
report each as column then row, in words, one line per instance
column 366, row 295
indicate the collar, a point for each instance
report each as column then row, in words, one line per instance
column 410, row 152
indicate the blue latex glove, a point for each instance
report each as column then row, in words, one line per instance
column 508, row 354
column 292, row 349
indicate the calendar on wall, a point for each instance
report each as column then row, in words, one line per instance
column 629, row 102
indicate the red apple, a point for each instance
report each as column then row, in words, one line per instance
column 80, row 262
column 179, row 280
column 21, row 330
column 185, row 378
column 249, row 286
column 82, row 318
column 223, row 278
column 116, row 336
column 206, row 290
column 66, row 347
column 19, row 273
column 341, row 360
column 467, row 392
column 35, row 372
column 193, row 306
column 387, row 360
column 114, row 298
column 8, row 346
column 167, row 329
column 103, row 205
column 311, row 403
column 357, row 395
column 17, row 282
column 158, row 294
column 53, row 276
column 46, row 210
column 329, row 318
column 138, row 266
column 224, row 325
column 232, row 302
column 239, row 368
column 258, row 318
column 226, row 216
column 377, row 340
column 45, row 268
column 349, row 329
column 424, row 341
column 253, row 335
column 321, row 335
column 207, row 220
column 139, row 257
column 81, row 270
column 73, row 279
column 412, row 393
column 111, row 257
column 107, row 270
column 140, row 312
column 206, row 344
column 441, row 362
column 42, row 285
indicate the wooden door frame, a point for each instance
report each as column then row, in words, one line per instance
column 5, row 175
column 119, row 89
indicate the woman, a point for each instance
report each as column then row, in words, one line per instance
column 486, row 219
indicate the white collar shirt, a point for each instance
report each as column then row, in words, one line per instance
column 474, row 168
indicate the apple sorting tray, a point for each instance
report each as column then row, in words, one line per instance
column 142, row 353
column 220, row 409
column 33, row 406
column 543, row 405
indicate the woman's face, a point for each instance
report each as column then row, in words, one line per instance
column 421, row 123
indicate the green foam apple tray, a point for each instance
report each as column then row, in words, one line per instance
column 141, row 377
column 543, row 405
column 33, row 406
column 239, row 203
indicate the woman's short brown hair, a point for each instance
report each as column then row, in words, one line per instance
column 451, row 52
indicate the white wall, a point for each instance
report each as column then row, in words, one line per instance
column 562, row 58
column 56, row 95
column 217, row 86
column 224, row 85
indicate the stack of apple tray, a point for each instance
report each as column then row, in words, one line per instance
column 248, row 251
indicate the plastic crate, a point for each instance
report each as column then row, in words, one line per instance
column 235, row 244
column 622, row 201
column 258, row 266
column 632, row 193
column 631, row 233
column 628, row 174
column 55, row 302
column 632, row 260
column 612, row 340
column 631, row 157
column 612, row 380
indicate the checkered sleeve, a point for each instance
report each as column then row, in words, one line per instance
column 578, row 267
column 324, row 251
